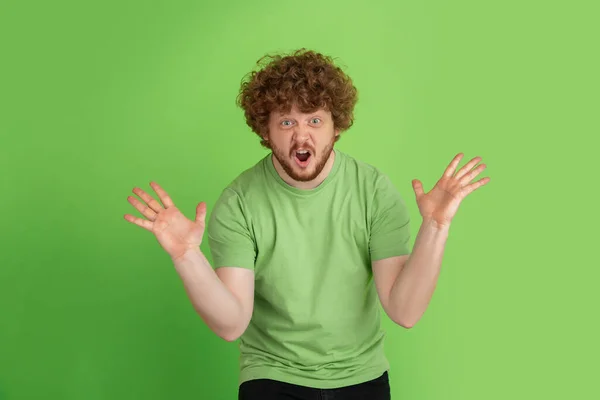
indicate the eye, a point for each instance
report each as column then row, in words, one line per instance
column 315, row 120
column 286, row 122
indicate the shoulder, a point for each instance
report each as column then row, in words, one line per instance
column 369, row 175
column 251, row 179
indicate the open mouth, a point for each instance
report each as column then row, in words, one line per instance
column 302, row 157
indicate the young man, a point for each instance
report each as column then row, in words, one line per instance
column 308, row 242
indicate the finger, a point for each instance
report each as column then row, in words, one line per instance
column 201, row 212
column 162, row 195
column 467, row 167
column 144, row 223
column 453, row 164
column 150, row 201
column 142, row 208
column 418, row 187
column 471, row 175
column 475, row 185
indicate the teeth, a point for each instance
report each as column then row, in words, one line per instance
column 302, row 151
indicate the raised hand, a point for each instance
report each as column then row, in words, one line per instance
column 442, row 202
column 175, row 233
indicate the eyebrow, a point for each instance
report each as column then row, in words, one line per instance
column 316, row 113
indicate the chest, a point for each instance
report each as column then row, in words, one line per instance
column 308, row 239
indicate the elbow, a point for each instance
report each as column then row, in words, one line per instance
column 406, row 323
column 233, row 334
column 230, row 338
column 405, row 317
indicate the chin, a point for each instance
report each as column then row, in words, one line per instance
column 302, row 174
column 303, row 171
column 305, row 176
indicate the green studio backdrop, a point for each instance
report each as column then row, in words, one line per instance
column 100, row 97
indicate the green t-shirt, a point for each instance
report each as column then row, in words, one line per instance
column 316, row 319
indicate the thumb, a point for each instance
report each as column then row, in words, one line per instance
column 201, row 212
column 418, row 187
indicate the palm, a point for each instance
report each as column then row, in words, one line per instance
column 175, row 233
column 441, row 203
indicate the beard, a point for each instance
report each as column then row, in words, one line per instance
column 309, row 173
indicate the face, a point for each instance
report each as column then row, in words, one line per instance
column 302, row 142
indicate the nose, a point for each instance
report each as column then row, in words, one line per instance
column 301, row 133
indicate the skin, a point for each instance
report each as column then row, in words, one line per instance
column 406, row 284
column 295, row 130
column 223, row 297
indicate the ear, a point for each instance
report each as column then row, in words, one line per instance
column 264, row 133
column 265, row 136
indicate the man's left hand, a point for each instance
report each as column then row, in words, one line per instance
column 441, row 203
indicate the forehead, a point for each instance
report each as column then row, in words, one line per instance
column 295, row 111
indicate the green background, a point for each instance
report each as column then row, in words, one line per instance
column 98, row 97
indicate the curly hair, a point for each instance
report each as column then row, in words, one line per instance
column 306, row 78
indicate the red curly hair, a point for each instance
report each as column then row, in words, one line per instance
column 305, row 78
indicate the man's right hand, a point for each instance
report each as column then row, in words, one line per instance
column 175, row 233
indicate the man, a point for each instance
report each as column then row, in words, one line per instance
column 308, row 242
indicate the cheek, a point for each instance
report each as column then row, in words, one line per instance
column 280, row 139
column 324, row 138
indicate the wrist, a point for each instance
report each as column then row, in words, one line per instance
column 189, row 256
column 436, row 225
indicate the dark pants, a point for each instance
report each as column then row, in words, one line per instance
column 267, row 389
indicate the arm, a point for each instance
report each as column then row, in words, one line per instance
column 405, row 284
column 224, row 298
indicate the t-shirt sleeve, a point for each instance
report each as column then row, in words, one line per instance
column 390, row 222
column 229, row 237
